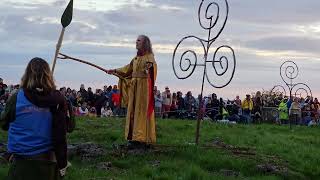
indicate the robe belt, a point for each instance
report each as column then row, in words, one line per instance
column 140, row 74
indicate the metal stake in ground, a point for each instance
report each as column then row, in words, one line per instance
column 221, row 65
column 65, row 21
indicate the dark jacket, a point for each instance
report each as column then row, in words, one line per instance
column 58, row 107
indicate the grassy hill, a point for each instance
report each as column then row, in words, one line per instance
column 225, row 152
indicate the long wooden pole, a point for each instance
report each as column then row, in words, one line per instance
column 65, row 57
column 81, row 61
column 58, row 49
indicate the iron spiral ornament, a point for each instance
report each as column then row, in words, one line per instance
column 222, row 61
column 218, row 63
column 279, row 88
column 289, row 71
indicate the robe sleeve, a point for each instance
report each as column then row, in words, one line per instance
column 124, row 74
column 125, row 71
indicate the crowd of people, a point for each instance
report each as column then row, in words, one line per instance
column 106, row 103
column 302, row 111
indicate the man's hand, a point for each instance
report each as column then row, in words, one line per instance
column 63, row 170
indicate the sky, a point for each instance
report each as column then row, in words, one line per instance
column 263, row 34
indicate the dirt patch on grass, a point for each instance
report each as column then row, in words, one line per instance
column 86, row 151
column 273, row 169
column 268, row 164
column 239, row 151
column 106, row 166
column 121, row 150
column 229, row 173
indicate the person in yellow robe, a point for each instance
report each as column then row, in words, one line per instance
column 136, row 83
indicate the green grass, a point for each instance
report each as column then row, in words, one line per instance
column 177, row 157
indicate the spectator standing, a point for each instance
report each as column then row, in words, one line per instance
column 295, row 111
column 99, row 101
column 315, row 109
column 174, row 106
column 257, row 107
column 180, row 101
column 283, row 112
column 2, row 87
column 35, row 118
column 190, row 102
column 90, row 98
column 215, row 107
column 2, row 105
column 83, row 93
column 115, row 97
column 158, row 103
column 238, row 101
column 247, row 106
column 166, row 102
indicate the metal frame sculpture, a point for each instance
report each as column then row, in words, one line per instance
column 184, row 68
column 288, row 72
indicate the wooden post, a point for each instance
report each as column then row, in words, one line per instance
column 58, row 49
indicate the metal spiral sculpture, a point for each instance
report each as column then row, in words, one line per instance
column 290, row 71
column 222, row 61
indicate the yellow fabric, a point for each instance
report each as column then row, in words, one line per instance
column 134, row 96
column 247, row 104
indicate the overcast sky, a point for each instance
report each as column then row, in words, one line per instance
column 263, row 34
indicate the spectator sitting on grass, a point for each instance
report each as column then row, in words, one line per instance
column 83, row 110
column 106, row 112
column 92, row 112
column 109, row 112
